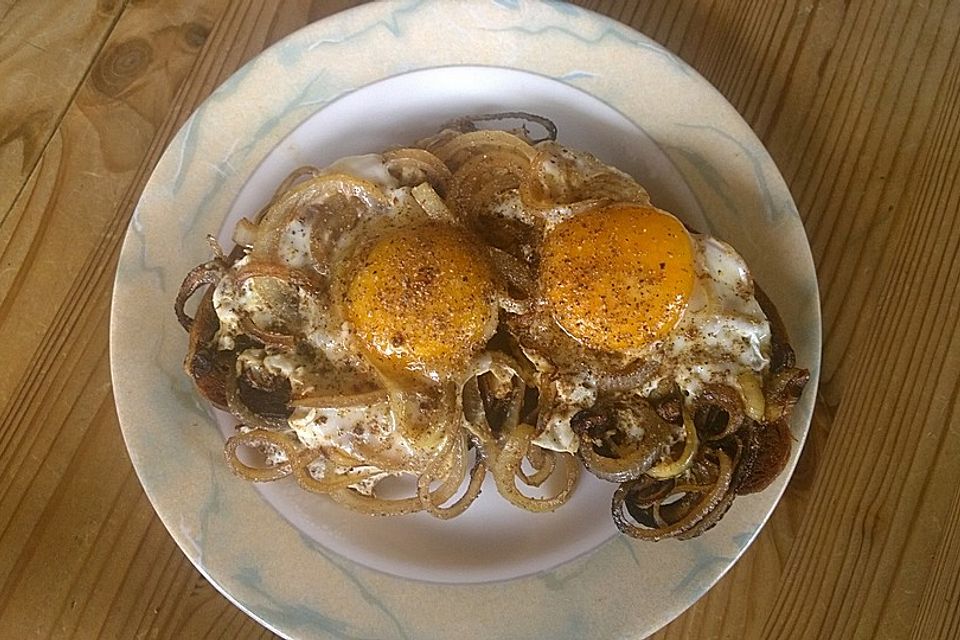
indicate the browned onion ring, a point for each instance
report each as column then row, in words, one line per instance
column 287, row 275
column 372, row 505
column 469, row 123
column 672, row 468
column 698, row 512
column 340, row 401
column 331, row 481
column 432, row 167
column 716, row 398
column 627, row 379
column 290, row 202
column 619, row 469
column 429, row 500
column 473, row 412
column 208, row 273
column 612, row 425
column 245, row 414
column 543, row 461
column 507, row 464
column 783, row 391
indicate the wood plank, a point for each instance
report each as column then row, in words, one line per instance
column 46, row 47
column 861, row 134
column 122, row 538
column 60, row 220
column 939, row 615
column 884, row 519
column 55, row 384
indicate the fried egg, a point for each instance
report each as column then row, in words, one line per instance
column 383, row 316
column 617, row 278
column 421, row 298
column 401, row 296
column 626, row 291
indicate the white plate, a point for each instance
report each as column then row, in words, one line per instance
column 384, row 74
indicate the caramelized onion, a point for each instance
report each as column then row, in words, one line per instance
column 507, row 465
column 208, row 273
column 430, row 202
column 308, row 197
column 627, row 379
column 458, row 150
column 543, row 461
column 783, row 391
column 373, row 505
column 619, row 441
column 290, row 277
column 341, row 401
column 469, row 123
column 719, row 412
column 453, row 466
column 646, row 499
column 413, row 166
column 334, row 478
column 560, row 176
column 673, row 468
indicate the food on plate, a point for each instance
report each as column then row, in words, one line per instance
column 391, row 328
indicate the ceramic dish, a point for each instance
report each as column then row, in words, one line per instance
column 385, row 74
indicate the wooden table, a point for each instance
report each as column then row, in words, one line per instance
column 858, row 101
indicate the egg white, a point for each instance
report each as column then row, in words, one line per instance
column 350, row 430
column 722, row 337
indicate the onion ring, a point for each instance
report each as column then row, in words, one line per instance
column 673, row 468
column 507, row 465
column 208, row 273
column 335, row 478
column 252, row 439
column 698, row 512
column 429, row 500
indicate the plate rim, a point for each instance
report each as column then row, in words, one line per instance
column 373, row 9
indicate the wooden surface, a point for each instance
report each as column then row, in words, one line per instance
column 858, row 102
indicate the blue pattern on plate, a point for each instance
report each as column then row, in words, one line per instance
column 613, row 31
column 298, row 616
column 391, row 23
column 754, row 154
column 344, row 566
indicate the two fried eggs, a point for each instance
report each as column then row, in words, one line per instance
column 409, row 290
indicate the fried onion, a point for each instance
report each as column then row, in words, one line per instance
column 664, row 509
column 506, row 468
column 678, row 460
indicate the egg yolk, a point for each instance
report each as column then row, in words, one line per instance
column 422, row 299
column 618, row 277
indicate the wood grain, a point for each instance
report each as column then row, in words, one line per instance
column 859, row 103
column 59, row 446
column 46, row 48
column 73, row 521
